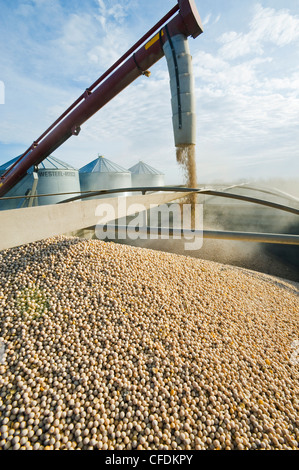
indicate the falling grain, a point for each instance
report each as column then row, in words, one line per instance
column 186, row 157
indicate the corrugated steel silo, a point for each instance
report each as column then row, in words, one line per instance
column 20, row 189
column 144, row 175
column 54, row 176
column 101, row 173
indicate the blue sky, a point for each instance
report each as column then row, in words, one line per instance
column 246, row 66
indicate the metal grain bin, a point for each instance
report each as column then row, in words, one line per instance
column 104, row 174
column 20, row 189
column 144, row 175
column 54, row 176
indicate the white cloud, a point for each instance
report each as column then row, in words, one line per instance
column 217, row 19
column 278, row 27
column 248, row 109
column 267, row 26
column 288, row 85
column 90, row 43
column 24, row 117
column 117, row 11
column 210, row 19
column 206, row 20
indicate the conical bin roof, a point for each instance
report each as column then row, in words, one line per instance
column 102, row 165
column 142, row 168
column 50, row 163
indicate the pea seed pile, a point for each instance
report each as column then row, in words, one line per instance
column 106, row 346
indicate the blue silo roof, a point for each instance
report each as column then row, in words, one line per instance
column 142, row 168
column 8, row 164
column 50, row 163
column 102, row 165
